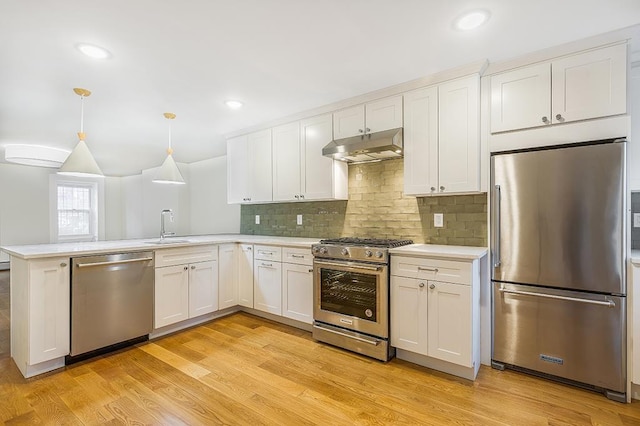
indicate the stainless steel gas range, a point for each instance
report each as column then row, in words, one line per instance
column 351, row 294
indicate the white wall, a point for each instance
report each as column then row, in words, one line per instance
column 157, row 197
column 113, row 209
column 210, row 213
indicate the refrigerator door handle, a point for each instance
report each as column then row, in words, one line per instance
column 496, row 226
column 608, row 303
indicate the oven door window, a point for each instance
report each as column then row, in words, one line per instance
column 349, row 293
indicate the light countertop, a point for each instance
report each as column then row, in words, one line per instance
column 441, row 251
column 100, row 247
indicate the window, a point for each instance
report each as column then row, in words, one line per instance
column 77, row 211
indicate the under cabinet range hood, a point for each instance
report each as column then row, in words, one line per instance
column 371, row 147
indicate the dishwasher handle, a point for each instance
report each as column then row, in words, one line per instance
column 113, row 262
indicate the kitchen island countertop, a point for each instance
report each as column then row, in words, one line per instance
column 440, row 251
column 71, row 249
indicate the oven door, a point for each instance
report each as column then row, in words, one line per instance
column 352, row 295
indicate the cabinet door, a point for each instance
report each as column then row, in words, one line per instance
column 171, row 295
column 49, row 307
column 322, row 178
column 228, row 275
column 635, row 289
column 259, row 145
column 384, row 114
column 449, row 323
column 421, row 141
column 590, row 85
column 267, row 286
column 245, row 275
column 297, row 292
column 521, row 99
column 286, row 162
column 203, row 288
column 409, row 314
column 459, row 135
column 238, row 172
column 348, row 122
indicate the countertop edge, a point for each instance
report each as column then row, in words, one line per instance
column 441, row 251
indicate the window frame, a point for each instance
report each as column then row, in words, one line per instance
column 96, row 188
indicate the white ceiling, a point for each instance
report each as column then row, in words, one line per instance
column 280, row 57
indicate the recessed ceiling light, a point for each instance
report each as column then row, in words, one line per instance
column 234, row 104
column 471, row 20
column 93, row 51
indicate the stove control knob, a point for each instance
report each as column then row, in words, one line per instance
column 379, row 254
column 368, row 253
column 345, row 252
column 323, row 250
column 316, row 249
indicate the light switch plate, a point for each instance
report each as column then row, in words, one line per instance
column 257, row 219
column 438, row 220
column 636, row 220
column 299, row 219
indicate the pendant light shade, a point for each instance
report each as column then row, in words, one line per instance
column 169, row 172
column 80, row 162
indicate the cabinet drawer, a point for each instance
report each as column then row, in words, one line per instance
column 267, row 253
column 297, row 255
column 431, row 269
column 182, row 255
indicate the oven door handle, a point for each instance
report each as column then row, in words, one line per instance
column 350, row 265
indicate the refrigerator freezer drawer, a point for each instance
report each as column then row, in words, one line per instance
column 572, row 335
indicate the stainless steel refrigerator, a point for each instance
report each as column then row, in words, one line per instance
column 558, row 250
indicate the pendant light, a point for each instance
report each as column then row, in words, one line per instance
column 169, row 172
column 80, row 162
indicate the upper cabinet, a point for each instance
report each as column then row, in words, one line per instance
column 577, row 87
column 249, row 165
column 442, row 138
column 376, row 116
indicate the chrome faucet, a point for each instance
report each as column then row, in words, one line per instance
column 164, row 233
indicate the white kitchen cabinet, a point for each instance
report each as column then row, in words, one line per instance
column 442, row 138
column 249, row 168
column 634, row 292
column 449, row 323
column 40, row 313
column 582, row 86
column 376, row 116
column 297, row 284
column 185, row 290
column 434, row 322
column 300, row 171
column 245, row 275
column 267, row 279
column 409, row 314
column 227, row 275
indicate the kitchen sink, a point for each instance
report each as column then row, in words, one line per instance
column 167, row 241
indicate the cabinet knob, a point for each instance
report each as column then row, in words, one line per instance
column 545, row 120
column 296, row 197
column 559, row 117
column 367, row 130
column 432, row 286
column 360, row 131
column 193, row 266
column 185, row 268
column 433, row 188
column 63, row 265
column 421, row 285
column 301, row 197
column 310, row 270
column 442, row 188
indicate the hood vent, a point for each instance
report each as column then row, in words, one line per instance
column 362, row 149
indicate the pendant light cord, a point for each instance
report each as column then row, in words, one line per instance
column 81, row 114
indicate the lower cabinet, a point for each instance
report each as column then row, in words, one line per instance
column 245, row 275
column 185, row 290
column 435, row 321
column 297, row 284
column 227, row 275
column 267, row 279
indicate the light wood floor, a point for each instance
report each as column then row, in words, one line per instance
column 243, row 370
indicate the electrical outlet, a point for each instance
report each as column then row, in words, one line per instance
column 257, row 219
column 636, row 220
column 438, row 220
column 299, row 219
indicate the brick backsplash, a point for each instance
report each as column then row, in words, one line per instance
column 376, row 208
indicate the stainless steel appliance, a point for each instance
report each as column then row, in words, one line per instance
column 385, row 145
column 351, row 294
column 559, row 304
column 111, row 302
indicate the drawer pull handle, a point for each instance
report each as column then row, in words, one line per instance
column 420, row 268
column 297, row 256
column 421, row 285
column 63, row 265
column 269, row 265
column 432, row 286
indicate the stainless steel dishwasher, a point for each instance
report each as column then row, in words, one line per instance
column 111, row 302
